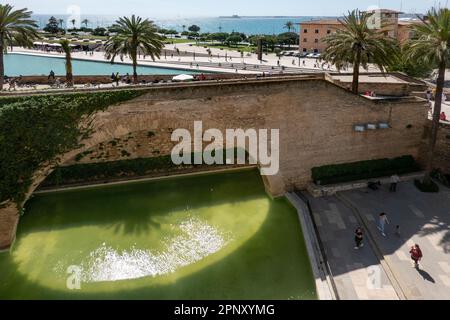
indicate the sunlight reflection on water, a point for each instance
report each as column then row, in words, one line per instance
column 196, row 241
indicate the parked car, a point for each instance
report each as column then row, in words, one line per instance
column 301, row 55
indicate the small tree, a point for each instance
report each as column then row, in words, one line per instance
column 52, row 26
column 289, row 26
column 194, row 28
column 85, row 22
column 234, row 39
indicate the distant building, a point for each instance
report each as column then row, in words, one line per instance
column 312, row 32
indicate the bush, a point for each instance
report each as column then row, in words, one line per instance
column 363, row 170
column 429, row 188
column 112, row 170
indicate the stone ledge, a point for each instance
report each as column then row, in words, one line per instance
column 329, row 190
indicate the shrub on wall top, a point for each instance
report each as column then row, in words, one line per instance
column 363, row 170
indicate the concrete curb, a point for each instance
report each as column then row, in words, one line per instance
column 323, row 280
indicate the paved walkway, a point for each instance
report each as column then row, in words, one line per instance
column 423, row 218
column 358, row 274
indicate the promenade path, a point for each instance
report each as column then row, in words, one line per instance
column 423, row 219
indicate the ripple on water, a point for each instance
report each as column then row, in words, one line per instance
column 197, row 240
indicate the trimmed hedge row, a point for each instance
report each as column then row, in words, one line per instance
column 112, row 170
column 346, row 172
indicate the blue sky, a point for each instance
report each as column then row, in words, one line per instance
column 197, row 8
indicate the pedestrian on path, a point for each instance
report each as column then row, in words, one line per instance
column 395, row 179
column 359, row 237
column 382, row 221
column 416, row 255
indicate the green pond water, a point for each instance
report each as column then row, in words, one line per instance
column 215, row 236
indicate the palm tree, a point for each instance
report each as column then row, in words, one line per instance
column 16, row 28
column 85, row 21
column 61, row 21
column 289, row 26
column 134, row 35
column 65, row 44
column 184, row 27
column 73, row 21
column 355, row 43
column 431, row 46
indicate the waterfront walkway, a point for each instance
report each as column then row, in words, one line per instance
column 382, row 269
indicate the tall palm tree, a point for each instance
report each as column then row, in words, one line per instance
column 65, row 44
column 16, row 28
column 355, row 43
column 134, row 35
column 184, row 27
column 431, row 45
column 61, row 21
column 85, row 21
column 289, row 26
column 73, row 21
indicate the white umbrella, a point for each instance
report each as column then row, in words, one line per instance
column 54, row 45
column 183, row 77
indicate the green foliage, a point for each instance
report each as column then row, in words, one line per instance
column 194, row 28
column 363, row 170
column 441, row 177
column 426, row 187
column 411, row 65
column 52, row 25
column 34, row 130
column 113, row 170
column 287, row 38
column 99, row 31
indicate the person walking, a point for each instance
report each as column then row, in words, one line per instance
column 416, row 255
column 382, row 221
column 395, row 179
column 359, row 237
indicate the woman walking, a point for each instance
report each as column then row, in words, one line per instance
column 359, row 236
column 416, row 255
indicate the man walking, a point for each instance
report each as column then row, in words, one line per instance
column 382, row 221
column 395, row 179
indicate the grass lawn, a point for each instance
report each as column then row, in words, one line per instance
column 243, row 48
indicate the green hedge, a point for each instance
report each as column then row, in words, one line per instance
column 363, row 170
column 111, row 170
column 428, row 188
column 35, row 130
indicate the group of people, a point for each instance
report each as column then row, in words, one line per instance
column 415, row 251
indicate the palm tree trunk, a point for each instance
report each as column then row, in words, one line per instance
column 69, row 74
column 2, row 68
column 355, row 82
column 435, row 122
column 135, row 76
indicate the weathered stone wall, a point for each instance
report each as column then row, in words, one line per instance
column 315, row 119
column 442, row 151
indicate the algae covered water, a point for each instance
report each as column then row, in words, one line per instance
column 215, row 236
